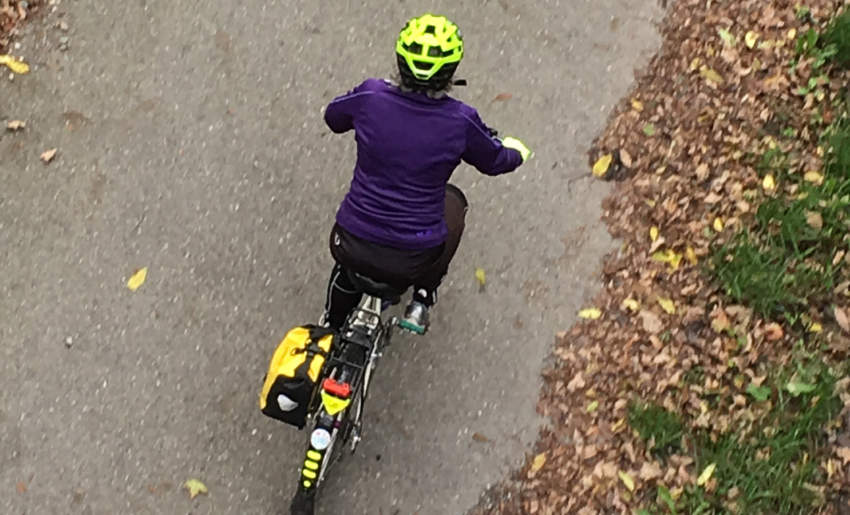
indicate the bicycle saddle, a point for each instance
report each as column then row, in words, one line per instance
column 375, row 288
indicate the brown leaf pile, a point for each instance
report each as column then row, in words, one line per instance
column 12, row 12
column 707, row 103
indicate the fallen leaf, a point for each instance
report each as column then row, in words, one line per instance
column 590, row 313
column 720, row 322
column 637, row 105
column 668, row 256
column 627, row 480
column 576, row 383
column 651, row 323
column 706, row 474
column 650, row 470
column 600, row 168
column 501, row 97
column 815, row 328
column 631, row 304
column 593, row 406
column 653, row 233
column 649, row 129
column 137, row 279
column 15, row 125
column 16, row 66
column 48, row 155
column 478, row 437
column 538, row 462
column 814, row 177
column 773, row 332
column 481, row 276
column 814, row 219
column 726, row 36
column 718, row 224
column 792, row 34
column 841, row 318
column 667, row 305
column 626, row 158
column 21, row 487
column 195, row 487
column 768, row 183
column 690, row 255
column 844, row 454
column 750, row 39
column 710, row 75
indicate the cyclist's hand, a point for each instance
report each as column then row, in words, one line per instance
column 519, row 146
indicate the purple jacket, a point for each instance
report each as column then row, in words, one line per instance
column 408, row 145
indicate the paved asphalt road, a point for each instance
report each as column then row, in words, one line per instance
column 191, row 141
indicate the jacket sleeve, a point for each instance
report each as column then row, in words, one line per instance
column 340, row 113
column 485, row 152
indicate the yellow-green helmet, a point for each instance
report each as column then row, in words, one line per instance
column 428, row 51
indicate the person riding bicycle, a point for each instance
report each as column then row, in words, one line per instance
column 401, row 221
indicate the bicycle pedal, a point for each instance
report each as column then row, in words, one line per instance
column 411, row 327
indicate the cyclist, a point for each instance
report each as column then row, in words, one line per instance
column 401, row 221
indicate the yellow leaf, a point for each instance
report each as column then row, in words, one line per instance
column 690, row 255
column 627, row 480
column 631, row 304
column 750, row 39
column 814, row 177
column 602, row 164
column 137, row 279
column 593, row 406
column 14, row 65
column 650, row 203
column 668, row 256
column 48, row 155
column 710, row 75
column 481, row 276
column 194, row 487
column 815, row 328
column 653, row 233
column 538, row 462
column 667, row 305
column 718, row 224
column 695, row 63
column 706, row 474
column 590, row 313
column 768, row 183
column 792, row 33
column 637, row 105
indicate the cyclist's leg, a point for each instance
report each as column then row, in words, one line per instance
column 342, row 297
column 425, row 287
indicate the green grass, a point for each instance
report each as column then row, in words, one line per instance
column 771, row 467
column 837, row 37
column 655, row 423
column 785, row 261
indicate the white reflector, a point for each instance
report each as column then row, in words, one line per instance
column 285, row 403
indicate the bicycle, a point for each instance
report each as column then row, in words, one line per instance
column 336, row 411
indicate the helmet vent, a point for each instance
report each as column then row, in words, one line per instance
column 422, row 65
column 435, row 51
column 430, row 29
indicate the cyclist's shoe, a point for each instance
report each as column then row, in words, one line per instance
column 304, row 502
column 415, row 318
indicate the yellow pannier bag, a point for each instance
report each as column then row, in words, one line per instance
column 294, row 373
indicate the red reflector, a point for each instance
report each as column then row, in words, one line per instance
column 341, row 390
